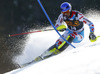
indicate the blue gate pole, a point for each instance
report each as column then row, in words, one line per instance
column 52, row 23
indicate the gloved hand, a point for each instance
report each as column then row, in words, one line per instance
column 92, row 37
column 62, row 30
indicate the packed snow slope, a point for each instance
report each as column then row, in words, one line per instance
column 84, row 59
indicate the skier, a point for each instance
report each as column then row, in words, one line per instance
column 73, row 33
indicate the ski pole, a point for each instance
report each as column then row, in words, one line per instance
column 97, row 37
column 30, row 32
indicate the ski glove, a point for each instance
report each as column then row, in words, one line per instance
column 62, row 30
column 92, row 37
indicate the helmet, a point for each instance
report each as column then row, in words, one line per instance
column 65, row 6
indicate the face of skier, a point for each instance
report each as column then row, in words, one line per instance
column 66, row 13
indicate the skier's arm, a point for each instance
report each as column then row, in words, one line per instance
column 59, row 26
column 89, row 23
column 82, row 18
column 92, row 36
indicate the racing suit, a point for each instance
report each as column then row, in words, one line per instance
column 73, row 33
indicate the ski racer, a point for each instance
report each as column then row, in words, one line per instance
column 73, row 33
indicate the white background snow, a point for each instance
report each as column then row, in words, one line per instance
column 84, row 59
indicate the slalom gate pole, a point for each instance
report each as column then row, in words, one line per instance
column 30, row 32
column 52, row 23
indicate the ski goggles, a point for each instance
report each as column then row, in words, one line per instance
column 66, row 12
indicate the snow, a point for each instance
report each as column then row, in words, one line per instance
column 84, row 59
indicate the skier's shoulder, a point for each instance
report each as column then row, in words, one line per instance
column 60, row 15
column 77, row 12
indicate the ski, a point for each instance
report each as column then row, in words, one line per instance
column 26, row 64
column 31, row 62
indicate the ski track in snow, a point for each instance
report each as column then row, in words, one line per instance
column 84, row 59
